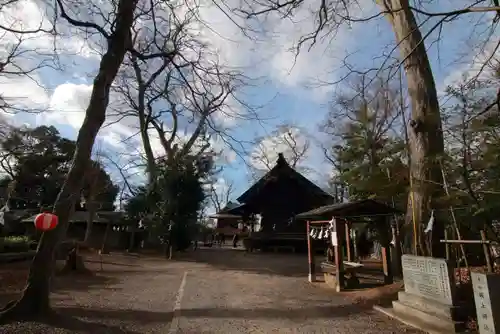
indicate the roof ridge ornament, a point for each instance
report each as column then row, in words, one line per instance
column 281, row 161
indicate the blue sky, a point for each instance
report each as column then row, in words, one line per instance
column 287, row 94
column 366, row 43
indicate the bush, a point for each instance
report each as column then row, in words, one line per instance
column 17, row 244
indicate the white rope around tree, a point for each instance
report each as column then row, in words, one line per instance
column 3, row 210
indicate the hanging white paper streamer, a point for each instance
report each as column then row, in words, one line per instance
column 2, row 214
column 332, row 225
column 326, row 234
column 430, row 223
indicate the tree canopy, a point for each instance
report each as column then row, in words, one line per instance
column 37, row 161
column 175, row 199
column 368, row 149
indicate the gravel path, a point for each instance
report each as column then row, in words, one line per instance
column 131, row 295
column 214, row 291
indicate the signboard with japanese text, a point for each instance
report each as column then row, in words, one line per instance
column 427, row 277
column 487, row 299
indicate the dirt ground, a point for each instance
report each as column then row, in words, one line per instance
column 116, row 299
column 209, row 291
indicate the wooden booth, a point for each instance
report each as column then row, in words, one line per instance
column 342, row 264
column 227, row 223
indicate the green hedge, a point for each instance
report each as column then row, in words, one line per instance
column 17, row 244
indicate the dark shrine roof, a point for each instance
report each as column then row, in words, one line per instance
column 231, row 210
column 283, row 169
column 366, row 208
column 229, row 206
column 239, row 209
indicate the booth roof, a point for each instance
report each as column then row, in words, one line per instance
column 360, row 208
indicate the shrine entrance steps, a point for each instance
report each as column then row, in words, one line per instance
column 425, row 314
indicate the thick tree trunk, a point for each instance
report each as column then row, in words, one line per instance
column 91, row 209
column 91, row 206
column 143, row 124
column 425, row 134
column 145, row 119
column 35, row 298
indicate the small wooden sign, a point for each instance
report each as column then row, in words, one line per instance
column 333, row 237
column 486, row 287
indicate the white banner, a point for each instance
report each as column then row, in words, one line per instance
column 333, row 237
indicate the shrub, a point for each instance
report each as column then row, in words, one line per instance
column 16, row 244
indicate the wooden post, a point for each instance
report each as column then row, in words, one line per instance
column 487, row 251
column 397, row 267
column 386, row 250
column 348, row 241
column 339, row 258
column 104, row 249
column 447, row 245
column 310, row 255
column 355, row 246
column 131, row 241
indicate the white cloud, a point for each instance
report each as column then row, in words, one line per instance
column 472, row 49
column 67, row 107
column 31, row 15
column 290, row 141
column 219, row 185
column 230, row 113
column 22, row 92
column 272, row 53
column 68, row 103
column 479, row 66
column 221, row 191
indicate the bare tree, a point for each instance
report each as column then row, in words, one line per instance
column 187, row 91
column 128, row 172
column 5, row 156
column 220, row 193
column 4, row 126
column 372, row 111
column 19, row 59
column 112, row 24
column 287, row 139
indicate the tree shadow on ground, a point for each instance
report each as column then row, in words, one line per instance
column 64, row 284
column 75, row 281
column 161, row 271
column 74, row 324
column 112, row 263
column 147, row 317
column 364, row 283
column 298, row 314
column 95, row 320
column 137, row 316
column 290, row 265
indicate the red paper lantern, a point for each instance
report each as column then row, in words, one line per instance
column 46, row 221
